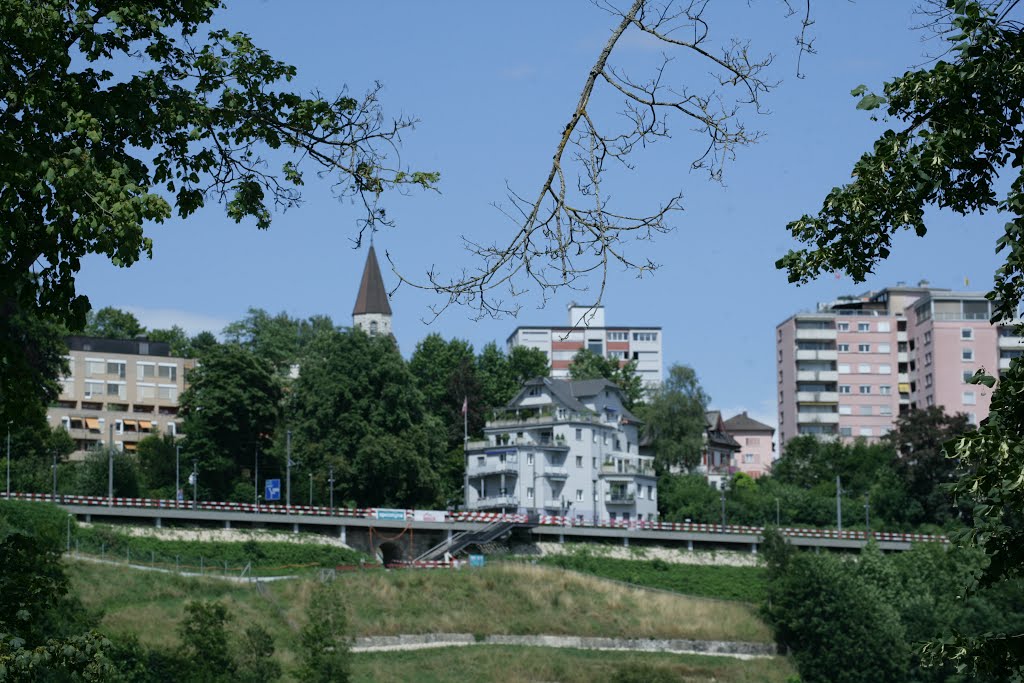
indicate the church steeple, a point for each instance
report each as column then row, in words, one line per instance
column 372, row 311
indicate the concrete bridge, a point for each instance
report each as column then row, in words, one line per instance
column 400, row 535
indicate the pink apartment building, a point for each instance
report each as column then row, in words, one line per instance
column 849, row 369
column 757, row 450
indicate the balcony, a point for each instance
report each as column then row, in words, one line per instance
column 620, row 498
column 824, row 354
column 901, row 336
column 817, row 418
column 556, row 472
column 817, row 376
column 1004, row 363
column 642, row 467
column 817, row 396
column 1011, row 342
column 815, row 335
column 475, row 470
column 902, row 357
column 496, row 501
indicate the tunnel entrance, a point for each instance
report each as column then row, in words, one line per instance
column 390, row 552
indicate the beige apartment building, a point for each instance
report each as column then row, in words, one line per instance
column 850, row 368
column 118, row 390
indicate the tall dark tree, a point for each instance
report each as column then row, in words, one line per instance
column 446, row 375
column 588, row 365
column 32, row 358
column 230, row 409
column 112, row 323
column 674, row 419
column 355, row 395
column 278, row 339
column 921, row 463
column 178, row 339
column 501, row 376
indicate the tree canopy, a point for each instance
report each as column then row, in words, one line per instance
column 96, row 145
column 589, row 365
column 674, row 419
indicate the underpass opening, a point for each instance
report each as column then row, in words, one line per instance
column 390, row 552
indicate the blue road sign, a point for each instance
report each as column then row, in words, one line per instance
column 273, row 491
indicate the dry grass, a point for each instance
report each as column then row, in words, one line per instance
column 529, row 665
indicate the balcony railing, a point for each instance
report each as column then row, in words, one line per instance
column 476, row 470
column 620, row 497
column 556, row 472
column 641, row 467
column 496, row 501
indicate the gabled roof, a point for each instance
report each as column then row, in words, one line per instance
column 569, row 392
column 744, row 423
column 373, row 296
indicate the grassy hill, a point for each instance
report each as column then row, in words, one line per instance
column 500, row 599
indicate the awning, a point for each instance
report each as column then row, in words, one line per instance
column 130, row 423
column 904, row 388
column 92, row 423
column 145, row 424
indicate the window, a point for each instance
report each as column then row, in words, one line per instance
column 844, row 368
column 118, row 426
column 845, row 431
column 579, row 434
column 864, row 369
column 970, row 398
column 967, row 354
column 972, row 418
column 617, row 355
column 928, row 380
column 529, row 492
column 579, row 461
column 885, row 410
column 863, row 348
column 863, row 327
column 865, row 388
column 116, row 368
column 966, row 333
column 167, row 392
column 94, row 367
column 618, row 336
column 373, row 328
column 885, row 348
column 928, row 358
column 145, row 370
column 119, row 389
column 884, row 327
column 928, row 337
column 929, row 400
column 596, row 346
column 645, row 336
column 844, row 389
column 748, row 458
column 885, row 390
column 843, row 327
column 864, row 410
column 94, row 389
column 639, row 491
column 884, row 369
column 579, row 495
column 594, row 462
column 167, row 372
column 864, row 431
column 967, row 376
column 846, row 410
column 843, row 348
column 529, row 458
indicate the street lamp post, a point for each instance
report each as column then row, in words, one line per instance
column 54, row 497
column 330, row 482
column 177, row 475
column 194, row 480
column 110, row 466
column 288, row 471
column 839, row 503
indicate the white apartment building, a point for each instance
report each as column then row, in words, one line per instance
column 124, row 389
column 849, row 369
column 563, row 448
column 587, row 329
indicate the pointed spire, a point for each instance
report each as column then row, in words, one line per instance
column 372, row 297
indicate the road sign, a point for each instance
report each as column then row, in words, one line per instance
column 273, row 490
column 393, row 515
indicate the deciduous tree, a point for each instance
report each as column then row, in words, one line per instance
column 112, row 323
column 674, row 419
column 588, row 365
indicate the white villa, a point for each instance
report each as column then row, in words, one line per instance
column 566, row 448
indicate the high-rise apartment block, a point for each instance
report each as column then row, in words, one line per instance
column 853, row 366
column 118, row 389
column 587, row 329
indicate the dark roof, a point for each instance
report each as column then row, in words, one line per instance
column 743, row 423
column 137, row 347
column 723, row 439
column 569, row 392
column 372, row 297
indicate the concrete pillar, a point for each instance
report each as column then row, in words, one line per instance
column 344, row 534
column 295, row 528
column 227, row 523
column 158, row 522
column 561, row 538
column 450, row 534
column 88, row 518
column 753, row 548
column 689, row 545
column 625, row 541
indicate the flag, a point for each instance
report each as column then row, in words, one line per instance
column 465, row 405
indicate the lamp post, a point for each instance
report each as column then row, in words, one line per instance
column 330, row 482
column 839, row 503
column 776, row 512
column 867, row 513
column 310, row 489
column 194, row 480
column 110, row 466
column 288, row 471
column 54, row 467
column 177, row 476
column 723, row 506
column 256, row 480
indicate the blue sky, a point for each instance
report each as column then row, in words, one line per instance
column 492, row 85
